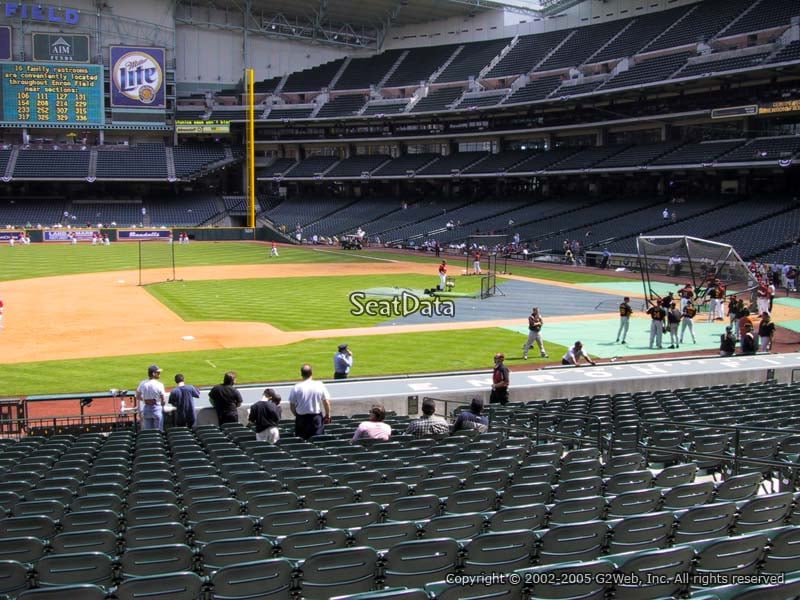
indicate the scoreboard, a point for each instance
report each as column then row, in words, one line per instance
column 52, row 94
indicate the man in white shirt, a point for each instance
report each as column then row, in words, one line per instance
column 310, row 403
column 152, row 397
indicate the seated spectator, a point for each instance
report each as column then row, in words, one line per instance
column 375, row 428
column 265, row 416
column 472, row 418
column 428, row 425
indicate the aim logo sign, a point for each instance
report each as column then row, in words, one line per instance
column 137, row 77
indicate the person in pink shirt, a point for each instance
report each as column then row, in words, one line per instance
column 375, row 428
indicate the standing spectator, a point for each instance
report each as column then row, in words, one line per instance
column 342, row 362
column 428, row 425
column 673, row 320
column 689, row 311
column 265, row 415
column 766, row 332
column 181, row 397
column 625, row 312
column 375, row 428
column 574, row 355
column 727, row 343
column 657, row 316
column 500, row 381
column 226, row 399
column 310, row 403
column 472, row 418
column 535, row 323
column 151, row 396
column 443, row 276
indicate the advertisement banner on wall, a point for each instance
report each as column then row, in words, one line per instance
column 66, row 235
column 143, row 235
column 60, row 47
column 137, row 77
column 5, row 43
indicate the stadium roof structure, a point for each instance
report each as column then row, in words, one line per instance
column 357, row 24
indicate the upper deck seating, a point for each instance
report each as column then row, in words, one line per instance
column 702, row 23
column 419, row 64
column 314, row 79
column 766, row 15
column 471, row 60
column 361, row 73
column 346, row 105
column 527, row 53
column 641, row 32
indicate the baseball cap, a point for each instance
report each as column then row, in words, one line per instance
column 153, row 369
column 343, row 347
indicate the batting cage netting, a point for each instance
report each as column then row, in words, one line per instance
column 697, row 261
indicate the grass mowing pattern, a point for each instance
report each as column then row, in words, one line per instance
column 290, row 304
column 397, row 354
column 49, row 260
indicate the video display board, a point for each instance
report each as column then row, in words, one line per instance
column 52, row 94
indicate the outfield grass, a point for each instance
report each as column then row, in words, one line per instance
column 290, row 304
column 49, row 260
column 405, row 353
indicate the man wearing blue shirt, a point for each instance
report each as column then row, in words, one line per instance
column 342, row 362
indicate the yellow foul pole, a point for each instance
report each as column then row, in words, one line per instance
column 251, row 148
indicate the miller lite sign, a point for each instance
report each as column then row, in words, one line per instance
column 137, row 77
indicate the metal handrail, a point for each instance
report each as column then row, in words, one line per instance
column 724, row 457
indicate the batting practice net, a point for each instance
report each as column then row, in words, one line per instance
column 489, row 281
column 693, row 260
column 156, row 262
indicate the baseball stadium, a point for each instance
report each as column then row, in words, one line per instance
column 519, row 276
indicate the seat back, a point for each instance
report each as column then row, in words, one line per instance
column 418, row 562
column 271, row 578
column 156, row 560
column 175, row 586
column 338, row 573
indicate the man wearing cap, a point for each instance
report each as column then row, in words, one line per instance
column 625, row 312
column 151, row 396
column 500, row 381
column 574, row 354
column 310, row 403
column 443, row 276
column 226, row 399
column 535, row 323
column 472, row 418
column 342, row 362
column 265, row 416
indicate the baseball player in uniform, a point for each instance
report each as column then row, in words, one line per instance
column 443, row 276
column 625, row 312
column 534, row 334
